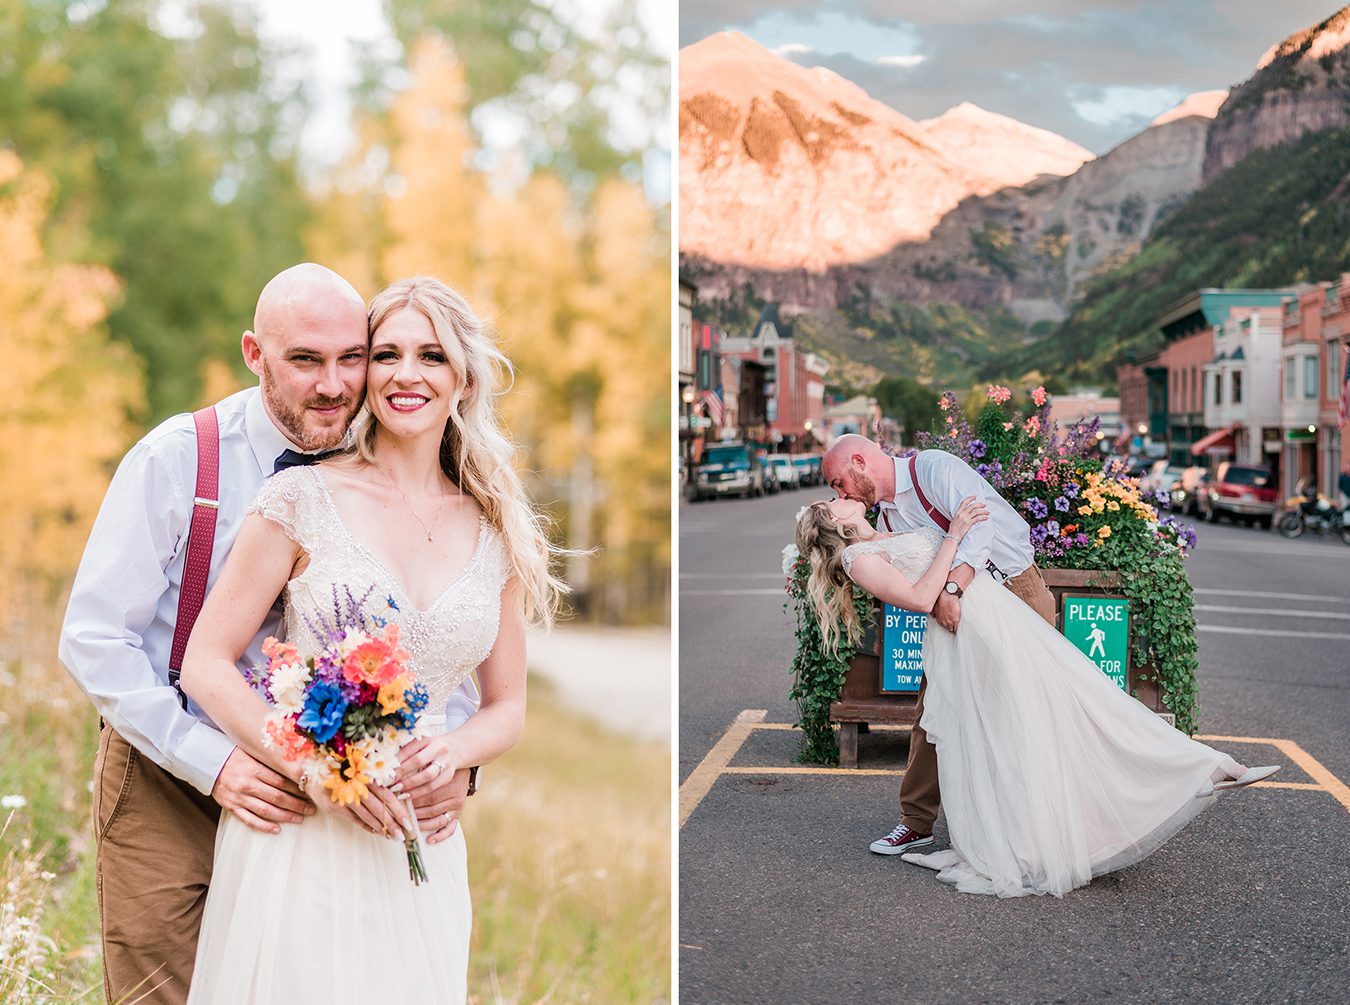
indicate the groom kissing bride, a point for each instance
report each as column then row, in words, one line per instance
column 1049, row 774
column 225, row 519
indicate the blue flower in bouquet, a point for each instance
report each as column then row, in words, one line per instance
column 1061, row 504
column 977, row 449
column 1051, row 527
column 1037, row 508
column 415, row 699
column 1071, row 490
column 324, row 708
column 1038, row 535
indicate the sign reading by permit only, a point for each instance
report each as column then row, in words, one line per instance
column 902, row 649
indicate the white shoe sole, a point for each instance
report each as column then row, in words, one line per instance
column 882, row 848
column 1246, row 778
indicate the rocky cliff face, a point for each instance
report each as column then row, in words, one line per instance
column 1302, row 85
column 784, row 167
column 1025, row 247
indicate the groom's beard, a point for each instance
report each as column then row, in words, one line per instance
column 865, row 489
column 303, row 433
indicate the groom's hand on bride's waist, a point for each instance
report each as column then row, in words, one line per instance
column 257, row 795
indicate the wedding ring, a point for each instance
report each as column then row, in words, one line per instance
column 439, row 768
column 448, row 821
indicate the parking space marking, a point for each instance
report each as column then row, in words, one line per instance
column 701, row 779
column 1316, row 597
column 1224, row 609
column 718, row 760
column 1230, row 630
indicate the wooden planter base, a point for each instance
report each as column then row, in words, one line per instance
column 862, row 702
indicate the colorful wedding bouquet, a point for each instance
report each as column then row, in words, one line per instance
column 347, row 709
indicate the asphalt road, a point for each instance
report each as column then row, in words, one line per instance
column 780, row 900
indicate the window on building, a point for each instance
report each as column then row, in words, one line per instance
column 1218, row 389
column 1289, row 377
column 1237, row 387
column 1334, row 370
column 1310, row 376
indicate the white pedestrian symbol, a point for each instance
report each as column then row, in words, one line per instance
column 1097, row 637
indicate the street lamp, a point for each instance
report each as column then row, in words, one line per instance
column 687, row 394
column 1143, row 428
column 1312, row 429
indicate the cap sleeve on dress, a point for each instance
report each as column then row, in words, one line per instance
column 283, row 500
column 847, row 558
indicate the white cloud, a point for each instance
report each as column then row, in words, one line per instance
column 906, row 62
column 792, row 49
column 1106, row 105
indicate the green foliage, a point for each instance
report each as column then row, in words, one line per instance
column 818, row 673
column 173, row 164
column 1162, row 612
column 913, row 405
column 1278, row 217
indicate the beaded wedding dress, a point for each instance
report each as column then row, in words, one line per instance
column 1050, row 774
column 325, row 911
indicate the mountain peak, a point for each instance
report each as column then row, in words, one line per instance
column 973, row 135
column 1323, row 39
column 1203, row 103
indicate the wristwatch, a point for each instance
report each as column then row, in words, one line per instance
column 953, row 589
column 473, row 780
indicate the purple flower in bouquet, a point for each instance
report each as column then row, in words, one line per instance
column 1071, row 490
column 1061, row 504
column 977, row 449
column 1038, row 535
column 1051, row 527
column 1037, row 508
column 324, row 708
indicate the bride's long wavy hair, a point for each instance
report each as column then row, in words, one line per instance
column 476, row 453
column 828, row 587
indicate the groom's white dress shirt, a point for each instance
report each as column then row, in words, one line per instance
column 1004, row 539
column 119, row 624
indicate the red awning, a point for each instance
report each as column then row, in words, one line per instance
column 1217, row 442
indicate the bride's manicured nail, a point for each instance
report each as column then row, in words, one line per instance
column 396, row 787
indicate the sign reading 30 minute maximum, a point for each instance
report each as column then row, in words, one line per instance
column 1100, row 627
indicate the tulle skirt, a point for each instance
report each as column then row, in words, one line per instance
column 326, row 912
column 1050, row 774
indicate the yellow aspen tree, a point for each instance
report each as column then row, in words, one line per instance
column 64, row 419
column 432, row 194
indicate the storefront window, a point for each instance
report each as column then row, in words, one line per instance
column 1310, row 376
column 1237, row 387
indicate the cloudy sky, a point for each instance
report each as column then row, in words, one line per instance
column 1095, row 72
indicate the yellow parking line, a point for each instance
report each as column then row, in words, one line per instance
column 1316, row 770
column 701, row 779
column 718, row 762
column 803, row 769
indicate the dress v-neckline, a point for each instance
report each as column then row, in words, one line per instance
column 375, row 560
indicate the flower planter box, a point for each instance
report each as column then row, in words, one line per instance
column 862, row 703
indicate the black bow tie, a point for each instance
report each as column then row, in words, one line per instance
column 294, row 459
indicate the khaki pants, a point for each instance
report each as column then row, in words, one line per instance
column 919, row 795
column 156, row 842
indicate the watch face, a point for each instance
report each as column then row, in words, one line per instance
column 951, row 587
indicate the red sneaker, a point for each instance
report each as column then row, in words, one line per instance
column 902, row 839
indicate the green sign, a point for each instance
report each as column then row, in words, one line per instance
column 1100, row 627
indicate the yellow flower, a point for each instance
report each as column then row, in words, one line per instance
column 1104, row 533
column 1113, row 506
column 1084, row 510
column 350, row 785
column 1098, row 506
column 391, row 695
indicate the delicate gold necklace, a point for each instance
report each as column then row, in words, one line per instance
column 434, row 520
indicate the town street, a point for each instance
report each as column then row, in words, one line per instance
column 780, row 900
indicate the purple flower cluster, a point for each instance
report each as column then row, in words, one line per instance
column 1037, row 508
column 1185, row 532
column 1061, row 504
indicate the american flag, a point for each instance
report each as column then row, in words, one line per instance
column 712, row 406
column 1343, row 408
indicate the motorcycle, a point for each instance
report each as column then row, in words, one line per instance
column 1309, row 510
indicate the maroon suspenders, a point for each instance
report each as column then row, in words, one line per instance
column 928, row 507
column 201, row 541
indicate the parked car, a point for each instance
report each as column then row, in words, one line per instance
column 1185, row 492
column 1240, row 491
column 771, row 482
column 808, row 469
column 785, row 471
column 728, row 469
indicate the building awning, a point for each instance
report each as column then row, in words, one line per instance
column 1217, row 442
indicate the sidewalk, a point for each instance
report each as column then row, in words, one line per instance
column 620, row 677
